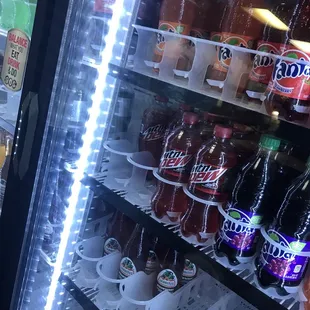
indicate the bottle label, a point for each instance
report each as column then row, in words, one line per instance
column 104, row 6
column 281, row 264
column 207, row 178
column 291, row 79
column 154, row 133
column 152, row 263
column 189, row 271
column 169, row 27
column 175, row 162
column 240, row 236
column 263, row 65
column 127, row 268
column 224, row 54
column 111, row 246
column 167, row 281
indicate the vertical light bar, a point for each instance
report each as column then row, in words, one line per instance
column 86, row 149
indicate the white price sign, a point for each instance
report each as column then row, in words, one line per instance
column 15, row 59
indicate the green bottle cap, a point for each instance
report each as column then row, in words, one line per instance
column 269, row 142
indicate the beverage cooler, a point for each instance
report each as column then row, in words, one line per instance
column 161, row 156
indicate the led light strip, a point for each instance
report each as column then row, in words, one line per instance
column 86, row 150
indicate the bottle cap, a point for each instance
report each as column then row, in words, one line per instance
column 190, row 118
column 161, row 99
column 222, row 132
column 269, row 142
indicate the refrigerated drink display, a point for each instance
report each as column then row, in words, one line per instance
column 239, row 28
column 176, row 16
column 288, row 90
column 239, row 232
column 213, row 168
column 132, row 188
column 154, row 124
column 274, row 35
column 179, row 151
column 284, row 254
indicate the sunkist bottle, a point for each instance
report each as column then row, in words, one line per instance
column 249, row 204
column 288, row 92
column 153, row 127
column 122, row 227
column 135, row 253
column 169, row 277
column 209, row 178
column 291, row 228
column 180, row 149
column 272, row 39
column 175, row 16
column 239, row 28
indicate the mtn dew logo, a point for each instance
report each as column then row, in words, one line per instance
column 241, row 234
column 263, row 64
column 169, row 27
column 292, row 79
column 280, row 263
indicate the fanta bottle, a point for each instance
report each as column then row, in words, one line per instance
column 213, row 167
column 180, row 149
column 273, row 38
column 288, row 92
column 239, row 28
column 176, row 16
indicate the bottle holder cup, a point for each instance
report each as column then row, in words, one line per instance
column 90, row 251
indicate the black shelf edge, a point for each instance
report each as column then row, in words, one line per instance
column 76, row 293
column 241, row 287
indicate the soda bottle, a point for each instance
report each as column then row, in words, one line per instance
column 235, row 241
column 170, row 276
column 135, row 253
column 175, row 16
column 239, row 28
column 288, row 91
column 154, row 124
column 156, row 256
column 209, row 178
column 208, row 124
column 200, row 220
column 122, row 227
column 180, row 149
column 189, row 272
column 169, row 200
column 279, row 267
column 271, row 42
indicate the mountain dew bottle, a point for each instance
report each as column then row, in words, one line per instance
column 8, row 12
column 248, row 207
column 285, row 253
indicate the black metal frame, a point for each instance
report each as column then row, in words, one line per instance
column 217, row 271
column 17, row 220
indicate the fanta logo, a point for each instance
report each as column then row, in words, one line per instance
column 206, row 174
column 175, row 159
column 284, row 69
column 263, row 61
column 154, row 133
column 169, row 28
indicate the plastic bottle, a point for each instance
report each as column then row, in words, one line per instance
column 248, row 204
column 239, row 28
column 271, row 42
column 189, row 272
column 180, row 149
column 169, row 200
column 276, row 267
column 153, row 127
column 135, row 253
column 122, row 227
column 200, row 220
column 288, row 92
column 170, row 276
column 175, row 16
column 208, row 124
column 212, row 170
